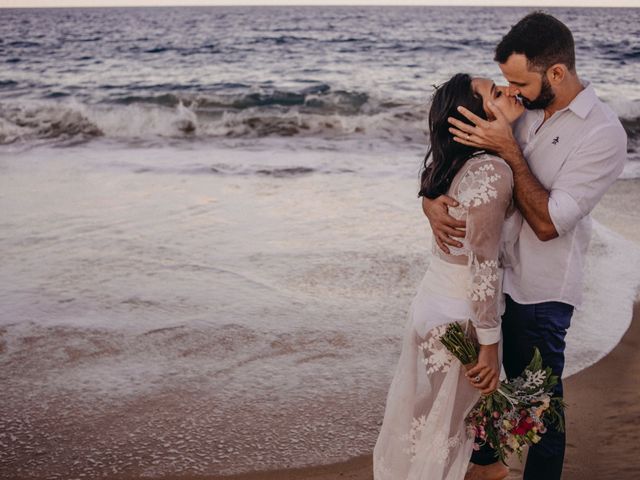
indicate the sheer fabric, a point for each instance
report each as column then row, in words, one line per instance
column 423, row 435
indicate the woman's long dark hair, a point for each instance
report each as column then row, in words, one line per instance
column 448, row 156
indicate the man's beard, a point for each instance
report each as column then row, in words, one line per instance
column 544, row 99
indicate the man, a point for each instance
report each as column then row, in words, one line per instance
column 565, row 152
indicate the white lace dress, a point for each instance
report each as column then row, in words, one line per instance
column 423, row 436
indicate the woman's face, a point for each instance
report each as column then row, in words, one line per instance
column 510, row 106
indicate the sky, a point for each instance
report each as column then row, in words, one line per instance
column 106, row 3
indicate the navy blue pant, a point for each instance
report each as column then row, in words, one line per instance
column 542, row 325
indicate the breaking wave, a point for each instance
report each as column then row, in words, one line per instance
column 316, row 111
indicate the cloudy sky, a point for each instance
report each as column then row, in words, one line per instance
column 537, row 3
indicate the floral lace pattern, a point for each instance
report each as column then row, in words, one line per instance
column 439, row 444
column 436, row 357
column 417, row 426
column 443, row 445
column 476, row 187
column 484, row 276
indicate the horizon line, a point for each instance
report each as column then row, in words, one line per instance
column 395, row 4
column 334, row 3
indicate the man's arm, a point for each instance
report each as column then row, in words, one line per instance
column 530, row 195
column 532, row 199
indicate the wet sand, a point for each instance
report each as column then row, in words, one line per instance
column 603, row 401
column 602, row 417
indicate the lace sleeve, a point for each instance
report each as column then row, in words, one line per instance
column 487, row 189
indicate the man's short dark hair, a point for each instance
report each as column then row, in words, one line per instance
column 543, row 39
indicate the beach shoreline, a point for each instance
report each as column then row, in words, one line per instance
column 603, row 409
column 597, row 421
column 212, row 401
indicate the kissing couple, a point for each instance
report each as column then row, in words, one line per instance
column 508, row 183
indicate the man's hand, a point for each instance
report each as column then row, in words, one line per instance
column 532, row 198
column 485, row 375
column 495, row 136
column 444, row 226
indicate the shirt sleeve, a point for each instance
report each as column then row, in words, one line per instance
column 586, row 176
column 485, row 218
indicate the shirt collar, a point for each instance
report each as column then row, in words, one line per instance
column 584, row 101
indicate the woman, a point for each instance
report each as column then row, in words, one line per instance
column 423, row 436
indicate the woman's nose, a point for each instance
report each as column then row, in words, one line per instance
column 513, row 91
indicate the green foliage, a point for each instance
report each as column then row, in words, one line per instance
column 517, row 413
column 461, row 346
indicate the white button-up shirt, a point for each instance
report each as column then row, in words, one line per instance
column 576, row 155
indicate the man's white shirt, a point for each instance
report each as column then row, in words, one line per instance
column 576, row 155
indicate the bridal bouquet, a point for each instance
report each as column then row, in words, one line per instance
column 519, row 411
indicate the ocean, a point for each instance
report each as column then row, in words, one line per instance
column 225, row 74
column 210, row 232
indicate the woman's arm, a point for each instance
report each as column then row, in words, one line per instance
column 488, row 196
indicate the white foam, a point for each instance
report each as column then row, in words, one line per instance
column 625, row 108
column 141, row 121
column 631, row 170
column 51, row 120
column 612, row 278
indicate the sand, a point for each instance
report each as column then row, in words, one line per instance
column 602, row 416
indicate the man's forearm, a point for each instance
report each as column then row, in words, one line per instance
column 532, row 199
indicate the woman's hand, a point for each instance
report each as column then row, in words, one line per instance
column 444, row 226
column 485, row 375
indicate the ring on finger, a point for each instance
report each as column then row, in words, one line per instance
column 468, row 136
column 476, row 378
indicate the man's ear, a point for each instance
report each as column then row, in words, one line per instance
column 556, row 73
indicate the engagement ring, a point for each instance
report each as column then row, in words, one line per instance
column 476, row 378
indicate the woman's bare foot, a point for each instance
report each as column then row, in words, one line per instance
column 495, row 471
